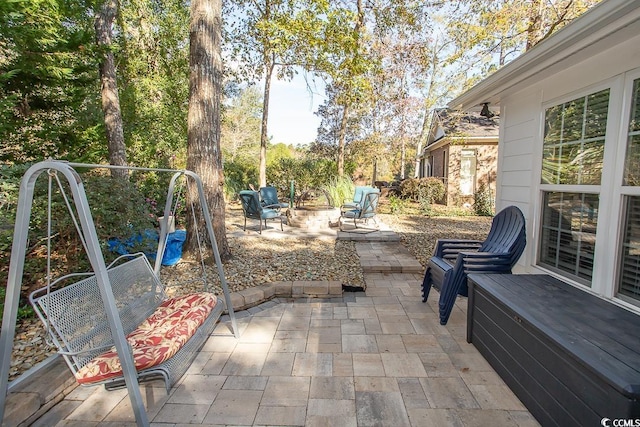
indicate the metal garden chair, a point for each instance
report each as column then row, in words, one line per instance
column 359, row 193
column 367, row 210
column 252, row 208
column 270, row 200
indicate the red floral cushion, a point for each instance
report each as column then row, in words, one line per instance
column 157, row 339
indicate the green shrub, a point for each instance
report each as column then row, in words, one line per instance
column 409, row 188
column 483, row 201
column 425, row 201
column 430, row 189
column 396, row 204
column 237, row 177
column 25, row 311
column 307, row 174
column 340, row 189
column 119, row 208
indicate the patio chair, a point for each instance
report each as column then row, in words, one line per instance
column 357, row 197
column 252, row 208
column 452, row 259
column 270, row 200
column 367, row 210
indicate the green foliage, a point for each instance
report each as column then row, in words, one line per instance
column 409, row 188
column 429, row 189
column 49, row 87
column 120, row 209
column 153, row 77
column 279, row 151
column 396, row 205
column 425, row 200
column 340, row 189
column 25, row 311
column 9, row 189
column 240, row 132
column 483, row 204
column 238, row 176
column 48, row 82
column 307, row 174
column 479, row 29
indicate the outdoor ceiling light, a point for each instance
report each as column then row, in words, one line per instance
column 485, row 111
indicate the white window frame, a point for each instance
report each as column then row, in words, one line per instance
column 620, row 190
column 606, row 257
column 474, row 175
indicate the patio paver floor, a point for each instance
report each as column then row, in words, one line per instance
column 372, row 358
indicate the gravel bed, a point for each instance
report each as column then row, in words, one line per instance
column 259, row 260
column 419, row 233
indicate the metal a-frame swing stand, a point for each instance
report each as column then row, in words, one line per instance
column 94, row 253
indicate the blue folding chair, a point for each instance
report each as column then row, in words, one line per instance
column 452, row 259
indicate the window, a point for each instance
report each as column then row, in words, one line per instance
column 426, row 171
column 573, row 154
column 628, row 284
column 445, row 166
column 632, row 161
column 590, row 185
column 573, row 145
column 629, row 280
column 467, row 172
column 568, row 235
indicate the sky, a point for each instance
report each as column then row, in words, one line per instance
column 291, row 108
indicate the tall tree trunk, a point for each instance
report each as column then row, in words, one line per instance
column 109, row 87
column 422, row 139
column 341, row 140
column 428, row 105
column 264, row 138
column 203, row 119
column 403, row 156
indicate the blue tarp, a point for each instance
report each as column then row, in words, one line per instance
column 172, row 252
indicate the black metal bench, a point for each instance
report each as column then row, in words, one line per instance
column 571, row 357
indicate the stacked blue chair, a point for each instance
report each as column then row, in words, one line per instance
column 452, row 259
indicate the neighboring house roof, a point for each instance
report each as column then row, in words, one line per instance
column 453, row 125
column 602, row 27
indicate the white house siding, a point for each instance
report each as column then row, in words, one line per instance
column 520, row 149
column 518, row 132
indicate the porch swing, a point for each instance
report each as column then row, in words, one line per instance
column 115, row 325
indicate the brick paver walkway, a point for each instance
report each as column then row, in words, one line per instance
column 373, row 358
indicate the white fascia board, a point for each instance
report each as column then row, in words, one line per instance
column 604, row 26
column 461, row 140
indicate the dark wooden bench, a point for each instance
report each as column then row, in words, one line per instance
column 572, row 358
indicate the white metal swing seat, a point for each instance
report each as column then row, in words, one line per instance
column 163, row 342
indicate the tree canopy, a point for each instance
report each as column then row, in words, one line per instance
column 386, row 64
